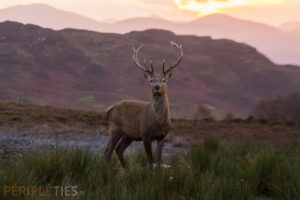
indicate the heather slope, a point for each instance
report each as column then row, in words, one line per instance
column 89, row 70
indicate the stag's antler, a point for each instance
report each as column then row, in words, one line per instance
column 136, row 61
column 178, row 46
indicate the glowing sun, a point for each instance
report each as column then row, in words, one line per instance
column 205, row 7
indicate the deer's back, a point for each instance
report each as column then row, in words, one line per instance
column 126, row 115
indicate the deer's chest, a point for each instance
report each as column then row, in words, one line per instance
column 158, row 131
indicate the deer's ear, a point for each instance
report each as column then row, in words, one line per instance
column 147, row 75
column 168, row 75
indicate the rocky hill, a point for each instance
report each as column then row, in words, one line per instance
column 90, row 70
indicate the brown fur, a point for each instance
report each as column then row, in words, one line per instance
column 141, row 120
column 108, row 113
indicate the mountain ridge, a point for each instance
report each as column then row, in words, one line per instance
column 90, row 70
column 47, row 16
column 290, row 26
column 279, row 46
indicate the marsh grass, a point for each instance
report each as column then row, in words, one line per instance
column 213, row 170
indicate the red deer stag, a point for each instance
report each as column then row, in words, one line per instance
column 139, row 120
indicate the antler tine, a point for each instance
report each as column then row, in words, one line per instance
column 178, row 46
column 151, row 66
column 136, row 60
column 181, row 53
column 163, row 67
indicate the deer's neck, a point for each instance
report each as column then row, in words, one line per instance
column 160, row 106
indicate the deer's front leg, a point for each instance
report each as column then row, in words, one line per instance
column 160, row 145
column 148, row 149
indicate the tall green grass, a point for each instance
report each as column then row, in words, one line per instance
column 213, row 170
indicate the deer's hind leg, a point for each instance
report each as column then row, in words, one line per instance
column 115, row 137
column 122, row 146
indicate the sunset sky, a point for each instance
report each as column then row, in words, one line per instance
column 272, row 12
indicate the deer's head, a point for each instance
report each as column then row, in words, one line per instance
column 158, row 82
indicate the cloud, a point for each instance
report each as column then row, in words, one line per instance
column 157, row 1
column 175, row 9
column 212, row 6
column 206, row 1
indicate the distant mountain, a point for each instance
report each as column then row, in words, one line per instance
column 90, row 70
column 292, row 29
column 47, row 16
column 295, row 33
column 274, row 43
column 143, row 23
column 279, row 46
column 290, row 26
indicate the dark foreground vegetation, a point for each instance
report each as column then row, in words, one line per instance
column 213, row 170
column 231, row 159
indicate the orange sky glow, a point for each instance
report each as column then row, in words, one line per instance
column 204, row 7
column 272, row 12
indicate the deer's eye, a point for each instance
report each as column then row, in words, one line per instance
column 151, row 80
column 163, row 80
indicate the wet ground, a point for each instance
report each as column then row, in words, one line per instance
column 11, row 144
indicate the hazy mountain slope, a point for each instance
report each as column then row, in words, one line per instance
column 47, row 16
column 292, row 29
column 295, row 33
column 91, row 70
column 143, row 23
column 279, row 46
column 290, row 26
column 274, row 43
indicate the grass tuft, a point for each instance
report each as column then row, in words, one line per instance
column 214, row 170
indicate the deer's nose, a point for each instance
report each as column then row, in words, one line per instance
column 157, row 87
